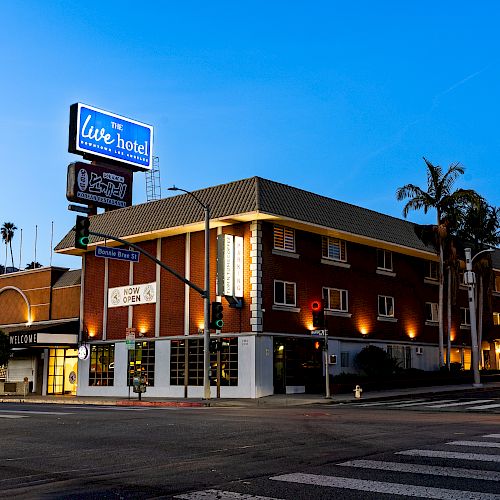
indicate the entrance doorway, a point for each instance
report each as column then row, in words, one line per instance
column 63, row 371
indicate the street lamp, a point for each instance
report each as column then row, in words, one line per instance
column 206, row 296
column 470, row 281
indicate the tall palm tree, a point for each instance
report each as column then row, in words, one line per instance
column 440, row 197
column 7, row 230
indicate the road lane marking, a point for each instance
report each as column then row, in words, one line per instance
column 477, row 444
column 461, row 403
column 404, row 405
column 220, row 495
column 379, row 403
column 495, row 436
column 385, row 488
column 37, row 412
column 485, row 407
column 424, row 469
column 480, row 457
column 13, row 416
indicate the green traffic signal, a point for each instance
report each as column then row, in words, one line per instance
column 217, row 316
column 82, row 232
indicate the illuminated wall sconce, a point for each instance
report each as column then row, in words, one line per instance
column 412, row 334
column 201, row 330
column 364, row 331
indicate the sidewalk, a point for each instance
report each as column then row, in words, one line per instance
column 274, row 401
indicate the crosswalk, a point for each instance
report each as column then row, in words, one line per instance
column 440, row 472
column 477, row 405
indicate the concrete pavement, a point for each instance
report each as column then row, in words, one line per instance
column 274, row 401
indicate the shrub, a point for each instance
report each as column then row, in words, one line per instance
column 375, row 362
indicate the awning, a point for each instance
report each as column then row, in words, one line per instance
column 39, row 339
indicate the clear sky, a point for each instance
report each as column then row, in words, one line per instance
column 339, row 98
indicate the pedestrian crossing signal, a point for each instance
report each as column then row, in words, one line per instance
column 82, row 232
column 217, row 316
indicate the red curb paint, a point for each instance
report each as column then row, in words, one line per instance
column 159, row 403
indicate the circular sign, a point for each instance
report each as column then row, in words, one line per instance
column 83, row 179
column 115, row 297
column 72, row 378
column 83, row 352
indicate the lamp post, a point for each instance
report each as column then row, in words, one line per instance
column 206, row 296
column 470, row 281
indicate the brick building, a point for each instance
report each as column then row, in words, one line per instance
column 39, row 310
column 378, row 280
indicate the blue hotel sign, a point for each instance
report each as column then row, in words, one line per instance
column 95, row 132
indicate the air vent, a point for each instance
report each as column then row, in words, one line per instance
column 419, row 350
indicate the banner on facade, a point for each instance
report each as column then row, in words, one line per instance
column 132, row 295
column 230, row 265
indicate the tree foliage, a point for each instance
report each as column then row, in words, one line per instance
column 4, row 348
column 375, row 362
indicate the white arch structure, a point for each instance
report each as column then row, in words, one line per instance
column 23, row 296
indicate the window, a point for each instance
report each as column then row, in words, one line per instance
column 384, row 259
column 432, row 270
column 496, row 319
column 228, row 370
column 401, row 354
column 344, row 360
column 284, row 293
column 386, row 306
column 142, row 360
column 335, row 299
column 465, row 316
column 431, row 311
column 333, row 248
column 497, row 283
column 102, row 365
column 284, row 238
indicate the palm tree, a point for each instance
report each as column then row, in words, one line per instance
column 480, row 228
column 7, row 231
column 33, row 265
column 441, row 198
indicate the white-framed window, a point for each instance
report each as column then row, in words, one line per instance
column 284, row 238
column 284, row 293
column 400, row 353
column 335, row 299
column 496, row 318
column 333, row 248
column 431, row 311
column 384, row 259
column 344, row 359
column 464, row 316
column 386, row 306
column 432, row 270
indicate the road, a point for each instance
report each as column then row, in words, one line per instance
column 89, row 452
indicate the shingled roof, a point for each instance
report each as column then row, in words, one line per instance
column 259, row 196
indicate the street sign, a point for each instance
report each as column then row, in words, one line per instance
column 130, row 338
column 320, row 333
column 117, row 253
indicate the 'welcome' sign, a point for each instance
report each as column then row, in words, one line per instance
column 96, row 132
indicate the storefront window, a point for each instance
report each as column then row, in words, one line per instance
column 102, row 365
column 63, row 371
column 142, row 361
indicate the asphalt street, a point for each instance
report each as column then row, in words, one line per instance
column 92, row 452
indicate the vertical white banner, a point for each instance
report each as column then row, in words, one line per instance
column 228, row 264
column 238, row 266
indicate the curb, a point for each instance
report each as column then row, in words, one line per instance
column 179, row 404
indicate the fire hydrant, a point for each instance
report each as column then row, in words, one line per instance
column 357, row 392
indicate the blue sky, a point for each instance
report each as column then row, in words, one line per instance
column 340, row 98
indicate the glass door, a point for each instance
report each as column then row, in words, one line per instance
column 63, row 370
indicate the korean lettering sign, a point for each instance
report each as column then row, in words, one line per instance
column 96, row 132
column 99, row 185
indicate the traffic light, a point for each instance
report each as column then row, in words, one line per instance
column 217, row 316
column 82, row 232
column 318, row 314
column 215, row 345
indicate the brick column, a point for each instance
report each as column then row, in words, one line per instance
column 256, row 319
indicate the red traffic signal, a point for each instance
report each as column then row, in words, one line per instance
column 318, row 314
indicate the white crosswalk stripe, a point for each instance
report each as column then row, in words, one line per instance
column 485, row 407
column 477, row 444
column 460, row 403
column 404, row 405
column 13, row 416
column 385, row 487
column 33, row 412
column 479, row 457
column 381, row 403
column 424, row 469
column 494, row 436
column 220, row 495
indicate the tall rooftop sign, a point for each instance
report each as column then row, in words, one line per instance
column 95, row 132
